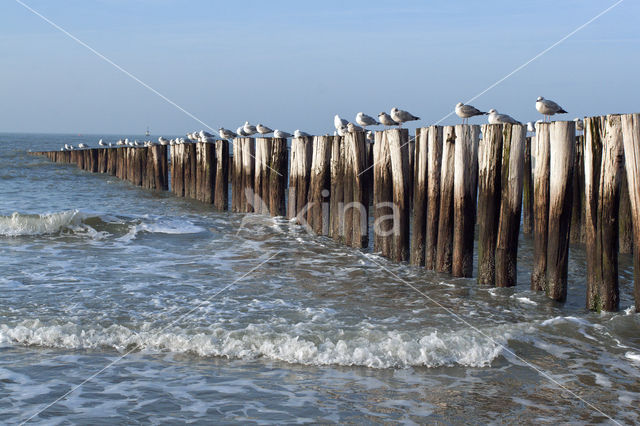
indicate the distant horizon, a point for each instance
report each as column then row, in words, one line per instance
column 294, row 66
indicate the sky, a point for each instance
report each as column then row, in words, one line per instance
column 294, row 64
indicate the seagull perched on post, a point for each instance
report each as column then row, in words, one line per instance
column 386, row 119
column 101, row 143
column 240, row 131
column 548, row 108
column 401, row 116
column 82, row 145
column 353, row 128
column 263, row 130
column 280, row 134
column 249, row 129
column 365, row 120
column 300, row 134
column 226, row 134
column 467, row 111
column 337, row 121
column 495, row 118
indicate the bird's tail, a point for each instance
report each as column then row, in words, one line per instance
column 562, row 111
column 484, row 113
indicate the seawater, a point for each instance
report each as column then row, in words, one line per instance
column 172, row 312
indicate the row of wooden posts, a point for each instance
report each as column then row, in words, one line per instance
column 429, row 196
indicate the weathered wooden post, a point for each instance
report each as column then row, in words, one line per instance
column 603, row 169
column 301, row 151
column 160, row 161
column 512, row 170
column 577, row 235
column 624, row 218
column 261, row 176
column 465, row 189
column 248, row 169
column 527, row 190
column 434, row 170
column 631, row 140
column 278, row 171
column 562, row 144
column 391, row 194
column 445, row 222
column 418, row 234
column 221, row 191
column 319, row 190
column 541, row 149
column 336, row 202
column 93, row 161
column 191, row 167
column 489, row 192
column 236, row 177
column 206, row 172
column 356, row 191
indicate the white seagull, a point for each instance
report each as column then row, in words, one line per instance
column 249, row 129
column 467, row 111
column 495, row 118
column 365, row 120
column 82, row 145
column 548, row 108
column 300, row 134
column 101, row 143
column 263, row 130
column 280, row 134
column 337, row 121
column 163, row 141
column 401, row 116
column 353, row 128
column 240, row 131
column 386, row 119
column 342, row 130
column 226, row 134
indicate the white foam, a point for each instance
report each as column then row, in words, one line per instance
column 633, row 356
column 365, row 347
column 24, row 224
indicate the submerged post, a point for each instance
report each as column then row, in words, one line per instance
column 631, row 140
column 465, row 182
column 541, row 150
column 562, row 143
column 603, row 169
column 445, row 222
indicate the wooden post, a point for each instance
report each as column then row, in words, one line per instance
column 465, row 183
column 221, row 192
column 356, row 193
column 191, row 166
column 577, row 235
column 236, row 177
column 603, row 169
column 541, row 149
column 512, row 170
column 489, row 192
column 434, row 170
column 206, row 172
column 562, row 144
column 383, row 213
column 624, row 218
column 418, row 236
column 261, row 176
column 278, row 164
column 319, row 190
column 527, row 190
column 445, row 222
column 631, row 140
column 301, row 150
column 248, row 169
column 336, row 204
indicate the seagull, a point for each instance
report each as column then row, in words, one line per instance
column 240, row 131
column 136, row 143
column 203, row 134
column 263, row 130
column 579, row 124
column 369, row 136
column 82, row 145
column 110, row 145
column 249, row 129
column 365, row 120
column 386, row 119
column 495, row 118
column 101, row 143
column 548, row 108
column 353, row 128
column 337, row 121
column 300, row 134
column 163, row 141
column 467, row 111
column 280, row 134
column 401, row 116
column 531, row 127
column 226, row 134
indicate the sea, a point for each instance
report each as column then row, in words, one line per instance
column 124, row 305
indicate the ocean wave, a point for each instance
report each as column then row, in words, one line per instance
column 95, row 226
column 366, row 347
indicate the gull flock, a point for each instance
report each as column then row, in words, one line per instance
column 396, row 117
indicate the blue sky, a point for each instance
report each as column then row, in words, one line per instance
column 295, row 64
